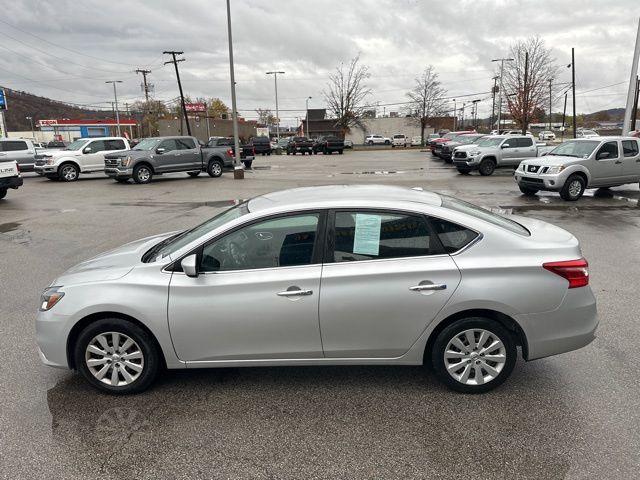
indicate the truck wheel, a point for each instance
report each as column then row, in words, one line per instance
column 247, row 164
column 573, row 188
column 339, row 152
column 68, row 172
column 193, row 174
column 214, row 169
column 3, row 192
column 487, row 167
column 387, row 142
column 142, row 174
column 527, row 191
column 370, row 142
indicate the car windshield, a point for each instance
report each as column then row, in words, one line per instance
column 176, row 242
column 147, row 144
column 579, row 149
column 77, row 145
column 467, row 139
column 483, row 214
column 450, row 136
column 398, row 136
column 490, row 142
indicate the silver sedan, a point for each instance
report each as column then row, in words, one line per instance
column 335, row 275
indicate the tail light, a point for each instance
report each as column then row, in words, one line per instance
column 575, row 271
column 230, row 152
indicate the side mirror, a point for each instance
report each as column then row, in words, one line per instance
column 160, row 150
column 602, row 155
column 505, row 145
column 189, row 266
column 86, row 150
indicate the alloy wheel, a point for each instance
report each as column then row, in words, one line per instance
column 69, row 173
column 216, row 169
column 144, row 174
column 114, row 358
column 575, row 187
column 475, row 356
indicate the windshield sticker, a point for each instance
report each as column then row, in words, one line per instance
column 367, row 234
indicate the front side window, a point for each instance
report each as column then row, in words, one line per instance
column 630, row 148
column 96, row 146
column 608, row 150
column 168, row 145
column 511, row 143
column 278, row 242
column 374, row 235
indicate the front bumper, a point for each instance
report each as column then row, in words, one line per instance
column 11, row 182
column 51, row 336
column 118, row 172
column 570, row 326
column 46, row 169
column 540, row 181
column 470, row 163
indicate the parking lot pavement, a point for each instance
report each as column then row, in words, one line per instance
column 571, row 416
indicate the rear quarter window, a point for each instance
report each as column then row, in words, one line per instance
column 484, row 214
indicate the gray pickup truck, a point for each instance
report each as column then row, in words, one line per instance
column 158, row 155
column 496, row 151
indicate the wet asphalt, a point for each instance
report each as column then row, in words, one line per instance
column 575, row 415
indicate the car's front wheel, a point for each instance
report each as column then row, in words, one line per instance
column 68, row 172
column 487, row 167
column 473, row 355
column 142, row 174
column 573, row 188
column 117, row 356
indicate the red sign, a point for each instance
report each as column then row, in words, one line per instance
column 47, row 122
column 195, row 107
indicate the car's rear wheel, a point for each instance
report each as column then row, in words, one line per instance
column 117, row 356
column 487, row 167
column 142, row 174
column 68, row 172
column 214, row 169
column 473, row 355
column 339, row 152
column 527, row 190
column 573, row 188
column 247, row 164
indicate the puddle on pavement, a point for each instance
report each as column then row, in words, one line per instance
column 261, row 167
column 9, row 231
column 9, row 226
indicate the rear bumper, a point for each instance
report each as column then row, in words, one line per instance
column 11, row 182
column 569, row 327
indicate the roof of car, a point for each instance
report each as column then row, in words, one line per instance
column 601, row 138
column 337, row 194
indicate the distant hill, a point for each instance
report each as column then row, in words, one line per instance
column 610, row 115
column 23, row 104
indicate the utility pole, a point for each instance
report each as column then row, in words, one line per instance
column 475, row 114
column 115, row 97
column 501, row 60
column 455, row 115
column 146, row 94
column 635, row 105
column 631, row 91
column 307, row 131
column 175, row 64
column 33, row 133
column 126, row 107
column 564, row 115
column 238, row 171
column 462, row 120
column 573, row 88
column 275, row 79
column 525, row 95
column 493, row 102
column 550, row 101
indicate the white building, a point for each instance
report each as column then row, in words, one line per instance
column 387, row 127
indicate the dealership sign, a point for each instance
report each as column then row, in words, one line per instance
column 195, row 107
column 45, row 123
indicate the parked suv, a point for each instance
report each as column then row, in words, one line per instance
column 399, row 140
column 377, row 140
column 261, row 145
column 22, row 151
column 85, row 155
column 546, row 135
column 494, row 151
column 578, row 164
column 9, row 177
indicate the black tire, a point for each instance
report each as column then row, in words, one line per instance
column 487, row 167
column 339, row 152
column 456, row 328
column 122, row 180
column 68, row 172
column 151, row 361
column 193, row 174
column 215, row 167
column 573, row 188
column 288, row 152
column 328, row 152
column 464, row 171
column 3, row 193
column 315, row 152
column 370, row 142
column 142, row 173
column 247, row 164
column 528, row 191
column 387, row 142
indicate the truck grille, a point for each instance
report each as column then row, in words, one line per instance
column 460, row 154
column 111, row 162
column 39, row 162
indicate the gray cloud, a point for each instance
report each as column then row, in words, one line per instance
column 307, row 39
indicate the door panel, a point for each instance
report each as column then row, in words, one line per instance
column 95, row 159
column 368, row 310
column 189, row 154
column 630, row 161
column 510, row 154
column 166, row 162
column 606, row 171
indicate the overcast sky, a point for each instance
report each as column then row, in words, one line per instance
column 67, row 49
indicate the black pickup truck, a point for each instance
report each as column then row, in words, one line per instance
column 328, row 145
column 247, row 153
column 261, row 145
column 299, row 145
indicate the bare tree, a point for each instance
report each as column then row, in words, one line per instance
column 427, row 99
column 265, row 116
column 526, row 79
column 346, row 92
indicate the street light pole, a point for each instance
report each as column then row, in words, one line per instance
column 33, row 133
column 501, row 60
column 275, row 79
column 238, row 171
column 115, row 97
column 308, row 130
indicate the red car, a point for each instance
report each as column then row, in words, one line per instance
column 447, row 137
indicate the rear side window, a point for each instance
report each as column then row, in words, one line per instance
column 452, row 236
column 375, row 235
column 483, row 214
column 114, row 145
column 525, row 142
column 13, row 146
column 185, row 144
column 630, row 148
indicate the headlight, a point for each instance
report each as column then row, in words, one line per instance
column 48, row 160
column 555, row 169
column 125, row 162
column 50, row 297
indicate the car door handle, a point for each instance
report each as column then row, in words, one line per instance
column 429, row 286
column 178, row 154
column 295, row 293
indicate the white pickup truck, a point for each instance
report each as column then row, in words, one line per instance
column 9, row 177
column 85, row 155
